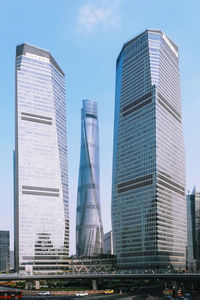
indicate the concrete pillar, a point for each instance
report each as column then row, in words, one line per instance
column 94, row 284
column 174, row 285
column 28, row 285
column 192, row 285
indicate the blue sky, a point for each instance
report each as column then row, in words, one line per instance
column 85, row 37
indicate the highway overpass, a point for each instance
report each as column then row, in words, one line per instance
column 92, row 276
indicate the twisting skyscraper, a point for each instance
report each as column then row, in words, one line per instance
column 148, row 189
column 89, row 230
column 41, row 179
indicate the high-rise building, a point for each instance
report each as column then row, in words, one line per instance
column 12, row 265
column 108, row 243
column 89, row 229
column 193, row 231
column 148, row 189
column 41, row 172
column 4, row 251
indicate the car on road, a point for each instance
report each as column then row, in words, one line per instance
column 108, row 291
column 45, row 293
column 81, row 294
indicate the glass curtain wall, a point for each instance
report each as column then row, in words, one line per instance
column 148, row 186
column 41, row 172
column 89, row 229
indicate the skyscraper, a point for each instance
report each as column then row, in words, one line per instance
column 89, row 229
column 41, row 179
column 108, row 243
column 148, row 188
column 193, row 231
column 4, row 251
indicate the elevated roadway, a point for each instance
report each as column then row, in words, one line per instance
column 96, row 276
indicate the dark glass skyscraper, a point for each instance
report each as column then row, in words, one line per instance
column 41, row 172
column 148, row 189
column 4, row 251
column 193, row 231
column 89, row 229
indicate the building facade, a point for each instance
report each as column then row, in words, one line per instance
column 12, row 265
column 4, row 251
column 41, row 172
column 89, row 229
column 102, row 263
column 108, row 243
column 193, row 231
column 148, row 188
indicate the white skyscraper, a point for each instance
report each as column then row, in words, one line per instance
column 41, row 172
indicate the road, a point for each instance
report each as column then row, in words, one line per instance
column 91, row 297
column 139, row 295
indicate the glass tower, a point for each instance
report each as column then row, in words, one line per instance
column 193, row 231
column 41, row 172
column 148, row 188
column 89, row 229
column 4, row 251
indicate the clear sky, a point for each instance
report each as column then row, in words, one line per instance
column 85, row 37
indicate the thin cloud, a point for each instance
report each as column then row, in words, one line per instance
column 90, row 16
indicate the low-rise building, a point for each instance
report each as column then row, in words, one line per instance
column 102, row 263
